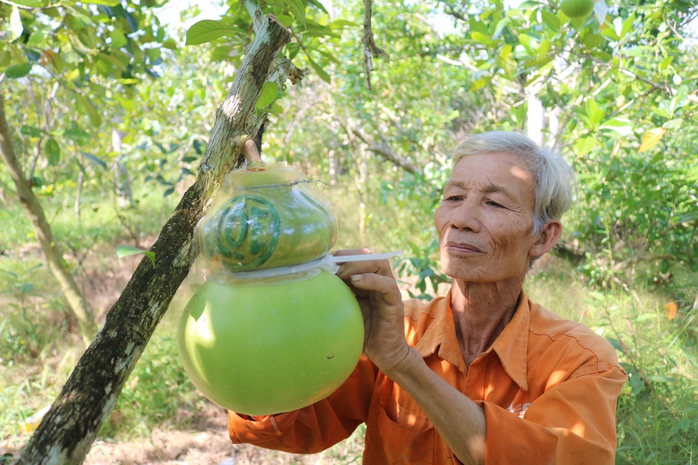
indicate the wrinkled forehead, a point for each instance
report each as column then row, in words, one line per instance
column 503, row 166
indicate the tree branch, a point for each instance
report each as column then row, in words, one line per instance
column 370, row 48
column 385, row 151
column 71, row 425
column 255, row 12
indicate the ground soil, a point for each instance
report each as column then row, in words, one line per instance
column 205, row 444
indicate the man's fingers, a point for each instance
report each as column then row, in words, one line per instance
column 383, row 285
column 339, row 253
column 381, row 267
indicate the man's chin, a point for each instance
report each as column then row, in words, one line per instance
column 460, row 274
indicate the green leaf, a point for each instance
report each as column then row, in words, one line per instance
column 342, row 23
column 5, row 59
column 622, row 126
column 31, row 3
column 118, row 39
column 16, row 27
column 96, row 160
column 36, row 38
column 270, row 90
column 104, row 2
column 170, row 44
column 602, row 55
column 476, row 25
column 297, row 7
column 627, row 25
column 320, row 72
column 664, row 266
column 501, row 24
column 53, row 151
column 292, row 49
column 543, row 49
column 276, row 109
column 31, row 131
column 222, row 53
column 126, row 250
column 584, row 145
column 318, row 4
column 18, row 71
column 673, row 124
column 526, row 40
column 286, row 20
column 551, row 20
column 91, row 111
column 592, row 40
column 208, row 30
column 481, row 38
column 610, row 33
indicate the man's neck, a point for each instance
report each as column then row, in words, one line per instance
column 481, row 311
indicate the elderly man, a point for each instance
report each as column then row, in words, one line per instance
column 482, row 375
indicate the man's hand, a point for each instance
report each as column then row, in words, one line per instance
column 379, row 297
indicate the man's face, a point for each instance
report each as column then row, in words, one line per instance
column 485, row 218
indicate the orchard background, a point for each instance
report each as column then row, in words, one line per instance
column 108, row 109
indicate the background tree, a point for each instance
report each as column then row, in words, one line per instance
column 70, row 57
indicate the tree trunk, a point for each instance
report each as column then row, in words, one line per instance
column 71, row 425
column 535, row 119
column 334, row 167
column 78, row 190
column 123, row 180
column 42, row 229
column 258, row 137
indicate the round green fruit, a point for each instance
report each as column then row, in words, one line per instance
column 271, row 346
column 577, row 8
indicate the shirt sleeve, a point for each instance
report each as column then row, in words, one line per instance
column 572, row 423
column 314, row 428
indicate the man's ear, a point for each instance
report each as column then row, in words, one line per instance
column 547, row 238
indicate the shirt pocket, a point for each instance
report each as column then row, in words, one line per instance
column 407, row 437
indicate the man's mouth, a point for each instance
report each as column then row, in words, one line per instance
column 462, row 247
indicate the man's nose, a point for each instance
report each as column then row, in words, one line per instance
column 467, row 216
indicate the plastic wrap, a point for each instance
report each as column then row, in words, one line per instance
column 266, row 217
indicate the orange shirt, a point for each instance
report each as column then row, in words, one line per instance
column 548, row 387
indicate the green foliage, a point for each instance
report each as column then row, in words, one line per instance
column 657, row 421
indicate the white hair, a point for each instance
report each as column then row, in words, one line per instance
column 555, row 179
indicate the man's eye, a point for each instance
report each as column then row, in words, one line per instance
column 454, row 198
column 494, row 204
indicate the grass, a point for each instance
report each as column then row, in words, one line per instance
column 657, row 410
column 101, row 220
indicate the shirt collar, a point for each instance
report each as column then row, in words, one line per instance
column 511, row 346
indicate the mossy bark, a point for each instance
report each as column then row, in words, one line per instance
column 71, row 425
